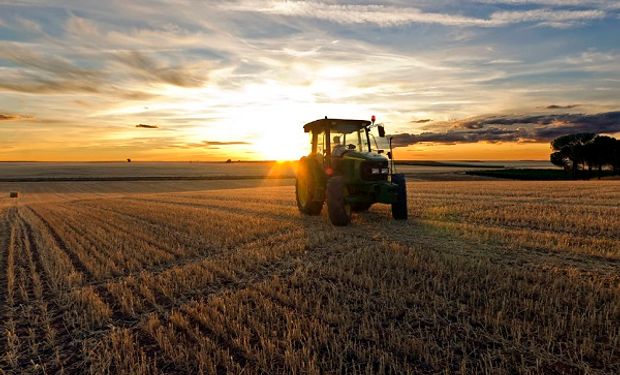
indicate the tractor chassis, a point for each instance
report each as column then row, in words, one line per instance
column 377, row 192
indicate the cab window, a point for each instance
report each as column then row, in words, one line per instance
column 320, row 143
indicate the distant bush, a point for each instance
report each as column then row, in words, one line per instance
column 523, row 174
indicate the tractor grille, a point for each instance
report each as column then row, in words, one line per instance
column 370, row 169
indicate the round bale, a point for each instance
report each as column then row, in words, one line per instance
column 13, row 194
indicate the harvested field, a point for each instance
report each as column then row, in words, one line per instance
column 495, row 277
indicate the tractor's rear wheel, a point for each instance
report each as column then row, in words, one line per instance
column 399, row 207
column 305, row 189
column 338, row 209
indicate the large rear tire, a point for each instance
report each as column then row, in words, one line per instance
column 306, row 182
column 399, row 208
column 338, row 209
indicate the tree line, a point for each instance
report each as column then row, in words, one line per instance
column 586, row 152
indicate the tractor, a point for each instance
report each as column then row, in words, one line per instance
column 347, row 169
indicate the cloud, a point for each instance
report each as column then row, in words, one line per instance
column 520, row 128
column 217, row 144
column 11, row 117
column 82, row 26
column 147, row 126
column 28, row 58
column 45, row 86
column 388, row 16
column 607, row 119
column 51, row 73
column 604, row 4
column 29, row 25
column 44, row 73
column 240, row 60
column 229, row 143
column 557, row 106
column 505, row 61
column 545, row 15
column 150, row 69
column 492, row 134
column 224, row 143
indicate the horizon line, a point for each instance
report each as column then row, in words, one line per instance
column 247, row 161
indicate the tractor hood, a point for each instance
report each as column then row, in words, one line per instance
column 365, row 155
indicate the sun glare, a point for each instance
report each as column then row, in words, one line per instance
column 282, row 146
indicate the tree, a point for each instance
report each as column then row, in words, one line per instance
column 601, row 151
column 559, row 159
column 586, row 150
column 590, row 156
column 572, row 149
column 615, row 157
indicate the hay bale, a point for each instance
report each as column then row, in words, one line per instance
column 13, row 194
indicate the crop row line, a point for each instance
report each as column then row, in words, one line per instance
column 610, row 258
column 222, row 207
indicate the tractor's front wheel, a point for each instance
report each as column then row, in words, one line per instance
column 338, row 209
column 305, row 188
column 399, row 207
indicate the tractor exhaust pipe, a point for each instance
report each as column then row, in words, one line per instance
column 391, row 156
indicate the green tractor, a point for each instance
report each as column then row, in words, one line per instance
column 347, row 169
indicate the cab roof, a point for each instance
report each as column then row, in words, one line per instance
column 345, row 126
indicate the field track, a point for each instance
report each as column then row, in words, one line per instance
column 496, row 277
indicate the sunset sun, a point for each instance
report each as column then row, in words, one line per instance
column 282, row 145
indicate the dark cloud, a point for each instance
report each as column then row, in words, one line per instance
column 557, row 106
column 147, row 126
column 421, row 121
column 524, row 128
column 491, row 134
column 10, row 117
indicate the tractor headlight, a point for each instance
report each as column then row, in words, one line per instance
column 374, row 170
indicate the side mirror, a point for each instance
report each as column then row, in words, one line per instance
column 381, row 131
column 389, row 154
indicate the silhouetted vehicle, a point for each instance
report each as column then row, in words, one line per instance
column 347, row 169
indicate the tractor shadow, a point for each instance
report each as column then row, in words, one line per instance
column 373, row 225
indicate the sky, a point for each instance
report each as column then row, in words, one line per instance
column 211, row 80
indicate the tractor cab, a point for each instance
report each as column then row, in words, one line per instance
column 333, row 140
column 328, row 134
column 347, row 169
